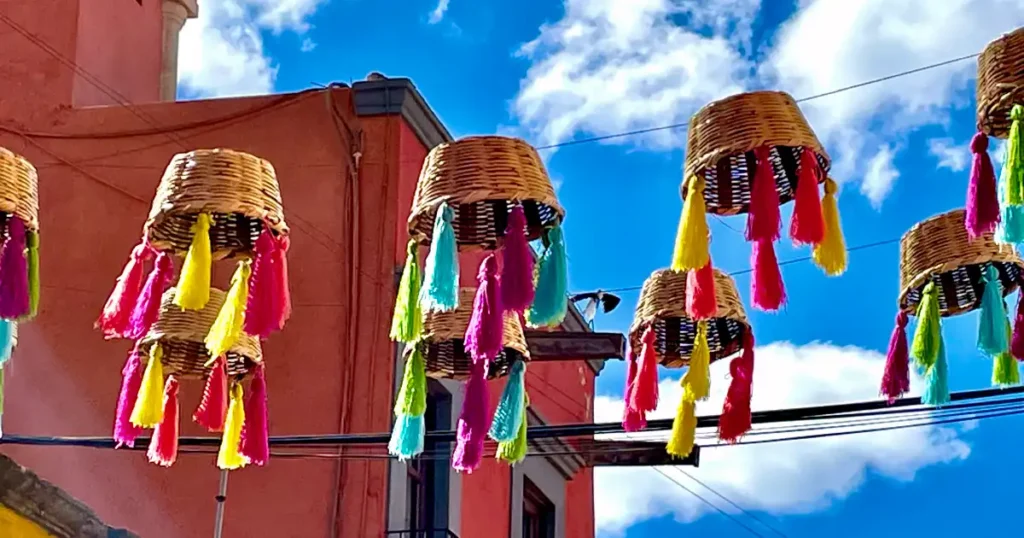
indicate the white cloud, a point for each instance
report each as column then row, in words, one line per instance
column 950, row 154
column 778, row 478
column 439, row 11
column 879, row 175
column 307, row 45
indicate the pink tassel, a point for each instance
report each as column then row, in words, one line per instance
column 769, row 293
column 255, row 434
column 517, row 264
column 763, row 218
column 125, row 432
column 982, row 200
column 1017, row 340
column 147, row 309
column 14, row 301
column 736, row 417
column 283, row 297
column 213, row 408
column 260, row 316
column 486, row 330
column 896, row 379
column 473, row 422
column 808, row 224
column 645, row 390
column 633, row 419
column 701, row 302
column 116, row 315
column 163, row 448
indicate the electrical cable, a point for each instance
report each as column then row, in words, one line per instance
column 733, row 504
column 709, row 503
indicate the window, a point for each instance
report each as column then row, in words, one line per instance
column 538, row 512
column 427, row 487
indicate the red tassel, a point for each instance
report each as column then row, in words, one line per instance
column 163, row 448
column 632, row 418
column 982, row 199
column 645, row 390
column 261, row 316
column 769, row 293
column 736, row 418
column 701, row 302
column 763, row 218
column 213, row 409
column 147, row 308
column 808, row 224
column 283, row 297
column 255, row 434
column 1017, row 340
column 896, row 379
column 117, row 311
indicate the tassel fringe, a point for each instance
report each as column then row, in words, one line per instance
column 736, row 418
column 763, row 219
column 808, row 222
column 229, row 458
column 701, row 299
column 551, row 299
column 33, row 273
column 255, row 443
column 114, row 319
column 514, row 451
column 982, row 193
column 147, row 309
column 633, row 420
column 645, row 391
column 485, row 334
column 507, row 417
column 163, row 447
column 691, row 251
column 441, row 284
column 896, row 379
column 148, row 411
column 472, row 428
column 125, row 432
column 213, row 408
column 928, row 336
column 193, row 290
column 407, row 323
column 936, row 390
column 517, row 291
column 769, row 292
column 697, row 381
column 992, row 332
column 227, row 328
column 15, row 302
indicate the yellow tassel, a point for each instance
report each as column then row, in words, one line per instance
column 684, row 430
column 149, row 405
column 194, row 283
column 697, row 381
column 691, row 250
column 830, row 254
column 229, row 457
column 228, row 326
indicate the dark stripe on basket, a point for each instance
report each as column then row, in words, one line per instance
column 733, row 196
column 483, row 223
column 448, row 360
column 234, row 233
column 962, row 288
column 674, row 338
column 187, row 359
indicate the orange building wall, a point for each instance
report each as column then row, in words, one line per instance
column 119, row 41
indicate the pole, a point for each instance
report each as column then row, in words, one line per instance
column 222, row 496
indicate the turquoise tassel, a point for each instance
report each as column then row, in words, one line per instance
column 992, row 323
column 551, row 300
column 7, row 330
column 936, row 391
column 407, row 437
column 440, row 291
column 1010, row 229
column 509, row 415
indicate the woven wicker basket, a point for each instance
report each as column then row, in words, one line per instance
column 481, row 177
column 238, row 190
column 182, row 333
column 19, row 189
column 721, row 142
column 938, row 250
column 1000, row 83
column 663, row 306
column 444, row 353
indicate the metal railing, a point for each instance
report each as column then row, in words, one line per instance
column 421, row 533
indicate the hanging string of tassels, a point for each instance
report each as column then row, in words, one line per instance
column 696, row 386
column 410, row 408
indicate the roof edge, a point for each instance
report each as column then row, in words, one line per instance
column 400, row 96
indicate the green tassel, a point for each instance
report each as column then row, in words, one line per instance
column 514, row 451
column 1005, row 372
column 936, row 390
column 928, row 336
column 412, row 397
column 407, row 323
column 32, row 240
column 1013, row 165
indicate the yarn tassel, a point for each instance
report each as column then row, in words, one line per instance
column 517, row 291
column 147, row 309
column 830, row 253
column 896, row 379
column 228, row 326
column 213, row 408
column 193, row 290
column 982, row 195
column 410, row 407
column 992, row 334
column 485, row 333
column 33, row 273
column 763, row 218
column 808, row 222
column 936, row 390
column 472, row 428
column 701, row 300
column 1013, row 165
column 407, row 322
column 7, row 339
column 507, row 417
column 769, row 292
column 407, row 437
column 114, row 319
column 228, row 457
column 441, row 283
column 645, row 392
column 736, row 419
column 1005, row 372
column 633, row 419
column 163, row 447
column 928, row 336
column 697, row 381
column 260, row 318
column 148, row 411
column 551, row 300
column 282, row 294
column 691, row 250
column 255, row 442
column 125, row 432
column 514, row 451
column 1017, row 339
column 14, row 294
column 684, row 430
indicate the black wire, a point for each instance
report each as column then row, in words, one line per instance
column 738, row 507
column 709, row 503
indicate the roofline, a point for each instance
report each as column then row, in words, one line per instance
column 400, row 96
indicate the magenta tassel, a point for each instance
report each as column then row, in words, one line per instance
column 283, row 296
column 147, row 309
column 255, row 435
column 116, row 315
column 163, row 447
column 896, row 379
column 633, row 419
column 1017, row 340
column 517, row 270
column 14, row 302
column 125, row 432
column 486, row 329
column 982, row 198
column 260, row 314
column 473, row 422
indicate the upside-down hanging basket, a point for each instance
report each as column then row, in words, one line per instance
column 174, row 351
column 665, row 333
column 750, row 153
column 943, row 272
column 1000, row 83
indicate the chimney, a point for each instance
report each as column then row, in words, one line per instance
column 175, row 14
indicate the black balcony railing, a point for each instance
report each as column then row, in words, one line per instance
column 428, row 533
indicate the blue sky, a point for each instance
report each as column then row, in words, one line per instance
column 555, row 70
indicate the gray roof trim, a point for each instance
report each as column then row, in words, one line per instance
column 400, row 96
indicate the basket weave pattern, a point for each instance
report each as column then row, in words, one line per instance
column 938, row 250
column 19, row 188
column 662, row 306
column 1000, row 83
